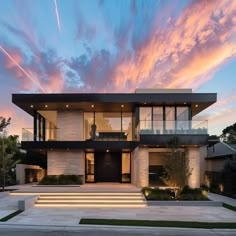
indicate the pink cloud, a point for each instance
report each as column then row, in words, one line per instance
column 185, row 54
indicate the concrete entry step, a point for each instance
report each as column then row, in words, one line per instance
column 98, row 199
column 90, row 199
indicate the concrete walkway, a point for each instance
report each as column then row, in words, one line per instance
column 71, row 216
column 220, row 198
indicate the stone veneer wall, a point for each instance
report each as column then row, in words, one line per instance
column 65, row 162
column 193, row 154
column 140, row 167
column 70, row 126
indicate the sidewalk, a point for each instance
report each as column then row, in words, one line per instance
column 221, row 198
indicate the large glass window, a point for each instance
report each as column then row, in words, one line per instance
column 157, row 164
column 126, row 177
column 88, row 122
column 158, row 120
column 182, row 115
column 108, row 126
column 89, row 160
column 108, row 121
column 169, row 119
column 127, row 125
column 145, row 118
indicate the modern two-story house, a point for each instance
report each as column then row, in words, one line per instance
column 116, row 137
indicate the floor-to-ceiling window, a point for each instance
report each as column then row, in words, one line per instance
column 182, row 117
column 127, row 125
column 158, row 120
column 169, row 119
column 89, row 167
column 108, row 126
column 145, row 117
column 126, row 170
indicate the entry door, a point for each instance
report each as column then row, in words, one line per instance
column 108, row 167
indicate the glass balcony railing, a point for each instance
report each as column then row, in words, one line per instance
column 47, row 135
column 172, row 127
column 54, row 135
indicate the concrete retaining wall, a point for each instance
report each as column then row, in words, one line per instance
column 27, row 203
column 184, row 203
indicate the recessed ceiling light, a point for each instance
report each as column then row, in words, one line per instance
column 92, row 105
column 196, row 105
column 107, row 150
column 67, row 105
column 122, row 105
column 46, row 106
column 31, row 106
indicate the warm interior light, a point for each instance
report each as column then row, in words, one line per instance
column 122, row 105
column 196, row 105
column 107, row 150
column 46, row 106
column 67, row 105
column 31, row 106
column 92, row 106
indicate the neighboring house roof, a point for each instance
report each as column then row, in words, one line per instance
column 221, row 150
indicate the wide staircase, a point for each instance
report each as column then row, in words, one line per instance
column 88, row 199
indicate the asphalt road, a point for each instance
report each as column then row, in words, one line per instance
column 105, row 231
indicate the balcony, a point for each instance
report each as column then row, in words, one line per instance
column 54, row 139
column 52, row 135
column 159, row 132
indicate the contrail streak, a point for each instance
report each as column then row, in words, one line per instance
column 57, row 15
column 22, row 69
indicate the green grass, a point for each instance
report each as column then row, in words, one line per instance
column 6, row 218
column 232, row 208
column 180, row 224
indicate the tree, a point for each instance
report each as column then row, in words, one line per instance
column 229, row 134
column 177, row 169
column 3, row 124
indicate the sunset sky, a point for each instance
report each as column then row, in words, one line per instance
column 54, row 46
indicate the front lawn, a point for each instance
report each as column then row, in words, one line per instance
column 178, row 224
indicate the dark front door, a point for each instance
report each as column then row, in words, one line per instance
column 108, row 167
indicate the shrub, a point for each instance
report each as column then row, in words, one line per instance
column 191, row 194
column 158, row 194
column 169, row 194
column 61, row 180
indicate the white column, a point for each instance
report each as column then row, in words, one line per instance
column 140, row 166
column 193, row 155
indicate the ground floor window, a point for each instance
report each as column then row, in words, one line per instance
column 157, row 163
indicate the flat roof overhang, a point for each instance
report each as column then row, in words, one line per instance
column 111, row 102
column 84, row 145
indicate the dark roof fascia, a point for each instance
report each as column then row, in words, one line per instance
column 116, row 97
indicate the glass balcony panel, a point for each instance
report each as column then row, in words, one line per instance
column 172, row 127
